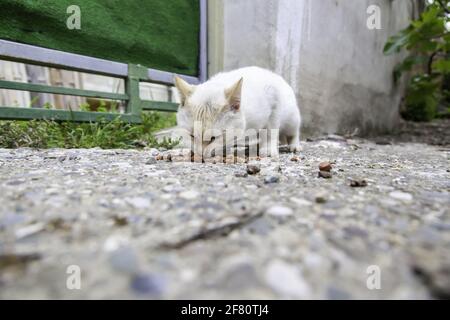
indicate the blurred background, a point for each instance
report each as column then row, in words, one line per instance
column 331, row 52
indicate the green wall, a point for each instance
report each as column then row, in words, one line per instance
column 159, row 34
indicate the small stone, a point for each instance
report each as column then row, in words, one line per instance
column 11, row 219
column 29, row 230
column 325, row 175
column 159, row 157
column 154, row 152
column 239, row 274
column 58, row 224
column 189, row 195
column 279, row 211
column 320, row 199
column 325, row 166
column 442, row 226
column 241, row 174
column 151, row 160
column 124, row 259
column 295, row 159
column 139, row 202
column 271, row 179
column 358, row 183
column 120, row 221
column 260, row 226
column 403, row 196
column 382, row 142
column 286, row 280
column 148, row 284
column 253, row 169
column 335, row 293
column 301, row 202
column 335, row 137
column 16, row 182
column 17, row 260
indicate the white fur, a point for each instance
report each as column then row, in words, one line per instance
column 266, row 102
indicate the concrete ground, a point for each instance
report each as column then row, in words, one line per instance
column 120, row 224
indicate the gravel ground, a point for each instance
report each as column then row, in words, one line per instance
column 140, row 228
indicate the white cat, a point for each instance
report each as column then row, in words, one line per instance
column 243, row 99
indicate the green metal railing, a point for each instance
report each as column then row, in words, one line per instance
column 132, row 74
column 134, row 105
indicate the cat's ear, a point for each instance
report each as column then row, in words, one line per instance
column 233, row 95
column 184, row 88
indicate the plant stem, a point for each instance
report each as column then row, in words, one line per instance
column 430, row 62
column 443, row 6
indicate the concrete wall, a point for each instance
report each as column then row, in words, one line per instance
column 323, row 48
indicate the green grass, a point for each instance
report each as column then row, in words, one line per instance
column 106, row 135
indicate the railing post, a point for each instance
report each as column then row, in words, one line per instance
column 135, row 74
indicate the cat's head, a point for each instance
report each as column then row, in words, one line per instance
column 208, row 111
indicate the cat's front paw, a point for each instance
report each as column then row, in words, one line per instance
column 267, row 152
column 295, row 148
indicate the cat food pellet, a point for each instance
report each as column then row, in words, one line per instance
column 325, row 166
column 253, row 169
column 358, row 183
column 241, row 174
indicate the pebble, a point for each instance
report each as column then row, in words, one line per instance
column 261, row 226
column 279, row 211
column 325, row 174
column 286, row 280
column 151, row 160
column 11, row 219
column 325, row 166
column 148, row 284
column 154, row 152
column 189, row 195
column 253, row 169
column 17, row 260
column 241, row 174
column 301, row 202
column 124, row 259
column 29, row 230
column 334, row 293
column 321, row 199
column 335, row 137
column 271, row 179
column 16, row 182
column 358, row 183
column 400, row 195
column 139, row 202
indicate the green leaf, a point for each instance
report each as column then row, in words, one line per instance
column 442, row 66
column 407, row 65
column 397, row 42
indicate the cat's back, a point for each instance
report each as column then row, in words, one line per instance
column 253, row 76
